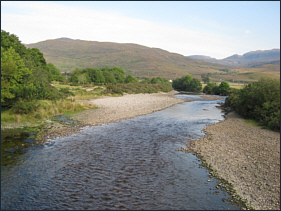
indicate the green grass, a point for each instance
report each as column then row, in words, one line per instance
column 46, row 110
column 252, row 122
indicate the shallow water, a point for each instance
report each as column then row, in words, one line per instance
column 132, row 164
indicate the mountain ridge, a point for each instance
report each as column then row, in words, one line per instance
column 249, row 59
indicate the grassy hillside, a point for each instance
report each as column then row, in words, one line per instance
column 134, row 59
column 142, row 61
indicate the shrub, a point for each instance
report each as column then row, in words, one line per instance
column 259, row 100
column 25, row 107
column 223, row 87
column 208, row 89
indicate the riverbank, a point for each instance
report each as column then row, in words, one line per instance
column 245, row 155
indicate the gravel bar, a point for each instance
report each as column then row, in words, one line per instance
column 113, row 109
column 245, row 155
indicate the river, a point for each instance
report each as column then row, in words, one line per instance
column 133, row 164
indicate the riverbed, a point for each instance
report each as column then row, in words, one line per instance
column 132, row 164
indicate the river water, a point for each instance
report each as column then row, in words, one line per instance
column 133, row 164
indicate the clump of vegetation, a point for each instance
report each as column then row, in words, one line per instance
column 98, row 76
column 24, row 73
column 205, row 78
column 27, row 94
column 223, row 89
column 28, row 111
column 153, row 85
column 187, row 83
column 259, row 101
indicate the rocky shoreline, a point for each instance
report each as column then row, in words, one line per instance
column 245, row 155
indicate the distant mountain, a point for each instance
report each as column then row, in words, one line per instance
column 250, row 59
column 68, row 54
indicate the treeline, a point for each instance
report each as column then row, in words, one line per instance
column 189, row 84
column 259, row 101
column 107, row 75
column 100, row 76
column 25, row 75
column 117, row 82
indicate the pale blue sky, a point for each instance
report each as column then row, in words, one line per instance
column 217, row 29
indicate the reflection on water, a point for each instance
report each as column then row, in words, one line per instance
column 128, row 165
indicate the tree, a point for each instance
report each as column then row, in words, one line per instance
column 14, row 74
column 109, row 78
column 130, row 79
column 209, row 88
column 223, row 87
column 187, row 83
column 33, row 59
column 157, row 80
column 205, row 78
column 119, row 74
column 195, row 85
column 98, row 77
column 55, row 72
column 82, row 79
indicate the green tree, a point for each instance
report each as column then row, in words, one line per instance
column 98, row 77
column 109, row 78
column 208, row 89
column 32, row 58
column 131, row 79
column 119, row 74
column 223, row 87
column 14, row 74
column 205, row 78
column 195, row 85
column 157, row 80
column 82, row 79
column 187, row 83
column 13, row 41
column 55, row 72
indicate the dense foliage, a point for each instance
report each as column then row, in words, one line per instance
column 133, row 86
column 213, row 88
column 100, row 76
column 187, row 83
column 260, row 101
column 136, row 88
column 25, row 75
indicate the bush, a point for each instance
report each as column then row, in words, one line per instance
column 259, row 100
column 24, row 107
column 187, row 83
column 112, row 89
column 223, row 88
column 208, row 89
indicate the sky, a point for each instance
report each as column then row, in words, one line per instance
column 213, row 28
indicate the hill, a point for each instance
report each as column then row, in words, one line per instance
column 68, row 54
column 250, row 59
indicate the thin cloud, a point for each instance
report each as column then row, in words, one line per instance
column 40, row 21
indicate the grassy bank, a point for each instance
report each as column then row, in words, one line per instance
column 42, row 110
